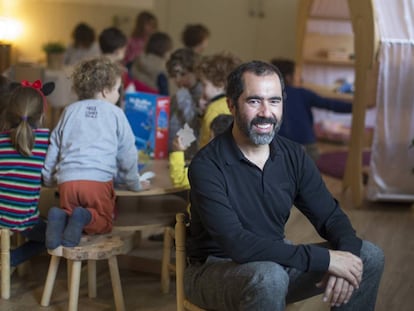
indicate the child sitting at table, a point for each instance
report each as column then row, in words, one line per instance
column 212, row 71
column 178, row 167
column 184, row 106
column 23, row 146
column 92, row 145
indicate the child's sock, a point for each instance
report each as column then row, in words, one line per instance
column 55, row 225
column 73, row 232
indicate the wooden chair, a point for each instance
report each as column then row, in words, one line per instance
column 91, row 248
column 5, row 263
column 180, row 262
column 7, row 242
column 167, row 266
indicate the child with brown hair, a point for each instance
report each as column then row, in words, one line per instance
column 149, row 67
column 146, row 24
column 23, row 146
column 212, row 71
column 91, row 147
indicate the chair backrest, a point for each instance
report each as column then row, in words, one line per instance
column 180, row 262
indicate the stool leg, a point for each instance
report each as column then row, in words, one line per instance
column 5, row 263
column 116, row 284
column 92, row 278
column 50, row 280
column 74, row 284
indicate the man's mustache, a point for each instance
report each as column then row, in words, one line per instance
column 263, row 120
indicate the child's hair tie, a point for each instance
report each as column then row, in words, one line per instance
column 24, row 118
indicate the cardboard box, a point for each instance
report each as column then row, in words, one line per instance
column 148, row 115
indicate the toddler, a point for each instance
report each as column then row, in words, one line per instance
column 91, row 146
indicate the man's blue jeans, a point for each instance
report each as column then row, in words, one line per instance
column 221, row 284
column 34, row 246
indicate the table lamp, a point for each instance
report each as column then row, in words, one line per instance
column 9, row 30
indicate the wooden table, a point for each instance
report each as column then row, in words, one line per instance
column 146, row 212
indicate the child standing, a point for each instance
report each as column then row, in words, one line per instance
column 146, row 24
column 92, row 145
column 23, row 146
column 149, row 67
column 112, row 43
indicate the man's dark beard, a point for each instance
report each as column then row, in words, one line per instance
column 258, row 138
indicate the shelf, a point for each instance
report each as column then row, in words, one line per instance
column 327, row 92
column 326, row 61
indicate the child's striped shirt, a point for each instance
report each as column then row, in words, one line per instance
column 20, row 181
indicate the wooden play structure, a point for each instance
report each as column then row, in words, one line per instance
column 350, row 38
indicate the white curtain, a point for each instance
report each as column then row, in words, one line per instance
column 392, row 160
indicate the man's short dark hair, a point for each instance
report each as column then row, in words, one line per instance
column 111, row 39
column 235, row 83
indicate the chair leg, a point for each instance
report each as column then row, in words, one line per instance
column 116, row 284
column 5, row 263
column 92, row 278
column 165, row 263
column 50, row 280
column 24, row 267
column 74, row 284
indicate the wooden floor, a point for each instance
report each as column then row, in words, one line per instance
column 390, row 226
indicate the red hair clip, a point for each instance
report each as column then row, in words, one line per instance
column 37, row 85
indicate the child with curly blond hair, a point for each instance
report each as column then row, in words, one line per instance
column 212, row 71
column 91, row 146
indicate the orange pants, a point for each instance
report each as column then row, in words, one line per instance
column 97, row 197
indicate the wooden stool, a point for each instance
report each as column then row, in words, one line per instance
column 91, row 248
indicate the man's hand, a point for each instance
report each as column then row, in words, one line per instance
column 346, row 265
column 338, row 291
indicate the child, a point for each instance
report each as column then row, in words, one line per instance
column 112, row 43
column 23, row 146
column 91, row 145
column 83, row 47
column 146, row 24
column 297, row 122
column 178, row 167
column 213, row 71
column 184, row 103
column 149, row 67
column 195, row 37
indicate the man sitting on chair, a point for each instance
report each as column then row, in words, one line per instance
column 243, row 186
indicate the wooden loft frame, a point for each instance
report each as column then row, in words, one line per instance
column 366, row 72
column 366, row 44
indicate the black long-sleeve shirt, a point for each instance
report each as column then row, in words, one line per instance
column 239, row 211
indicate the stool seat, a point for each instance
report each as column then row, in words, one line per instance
column 96, row 247
column 90, row 248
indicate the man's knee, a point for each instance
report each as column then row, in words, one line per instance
column 373, row 257
column 269, row 282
